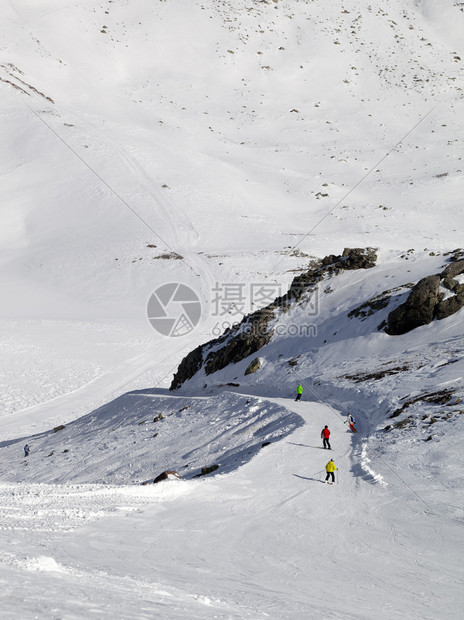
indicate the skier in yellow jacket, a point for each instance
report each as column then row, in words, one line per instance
column 330, row 469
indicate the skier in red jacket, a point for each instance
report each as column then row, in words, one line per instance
column 325, row 437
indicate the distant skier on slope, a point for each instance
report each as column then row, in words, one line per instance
column 299, row 392
column 26, row 450
column 325, row 437
column 330, row 469
column 351, row 422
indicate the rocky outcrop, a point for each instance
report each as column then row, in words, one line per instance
column 426, row 302
column 352, row 258
column 447, row 307
column 252, row 334
column 419, row 308
column 452, row 270
column 189, row 366
column 234, row 345
column 254, row 331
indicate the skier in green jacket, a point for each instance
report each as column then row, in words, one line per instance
column 299, row 392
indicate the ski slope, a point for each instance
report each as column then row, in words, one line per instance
column 210, row 143
column 268, row 540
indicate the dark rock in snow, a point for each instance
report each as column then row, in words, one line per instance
column 450, row 283
column 252, row 334
column 452, row 270
column 253, row 366
column 447, row 307
column 234, row 345
column 426, row 302
column 352, row 258
column 418, row 309
column 166, row 475
column 255, row 331
column 189, row 366
column 207, row 470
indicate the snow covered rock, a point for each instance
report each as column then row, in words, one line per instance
column 253, row 366
column 255, row 331
column 447, row 307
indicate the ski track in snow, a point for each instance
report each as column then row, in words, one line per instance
column 56, row 508
column 273, row 512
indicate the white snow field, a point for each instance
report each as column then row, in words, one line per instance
column 224, row 145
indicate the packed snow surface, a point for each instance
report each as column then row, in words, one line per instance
column 224, row 145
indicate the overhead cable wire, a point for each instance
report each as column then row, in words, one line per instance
column 357, row 184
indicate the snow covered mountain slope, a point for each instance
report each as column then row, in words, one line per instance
column 148, row 430
column 227, row 144
column 228, row 133
column 268, row 540
column 405, row 392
